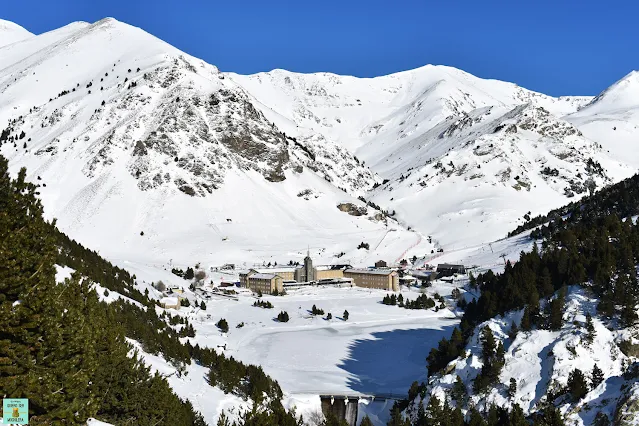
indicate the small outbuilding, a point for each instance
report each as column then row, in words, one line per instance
column 170, row 302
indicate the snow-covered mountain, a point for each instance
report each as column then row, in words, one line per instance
column 149, row 153
column 612, row 119
column 461, row 157
column 12, row 33
column 146, row 151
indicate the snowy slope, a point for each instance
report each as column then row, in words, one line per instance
column 12, row 33
column 612, row 119
column 132, row 136
column 472, row 175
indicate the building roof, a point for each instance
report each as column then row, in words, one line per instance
column 275, row 270
column 370, row 271
column 423, row 273
column 259, row 276
column 170, row 301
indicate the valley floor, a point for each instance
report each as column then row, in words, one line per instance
column 380, row 349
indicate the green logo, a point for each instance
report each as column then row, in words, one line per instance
column 15, row 411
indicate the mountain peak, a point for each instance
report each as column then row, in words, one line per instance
column 11, row 32
column 622, row 94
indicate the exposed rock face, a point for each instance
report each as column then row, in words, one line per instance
column 352, row 209
column 173, row 123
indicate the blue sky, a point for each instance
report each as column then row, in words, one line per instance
column 560, row 47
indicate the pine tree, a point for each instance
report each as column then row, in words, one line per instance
column 597, row 376
column 549, row 417
column 434, row 413
column 366, row 421
column 555, row 320
column 223, row 325
column 517, row 417
column 203, row 306
column 512, row 333
column 526, row 321
column 601, row 419
column 459, row 392
column 512, row 388
column 345, row 315
column 577, row 385
column 421, row 419
column 590, row 330
column 476, row 419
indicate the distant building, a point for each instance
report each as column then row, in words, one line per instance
column 384, row 279
column 170, row 302
column 447, row 269
column 425, row 277
column 301, row 274
column 265, row 283
column 381, row 264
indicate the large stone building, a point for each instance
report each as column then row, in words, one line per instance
column 265, row 283
column 384, row 279
column 302, row 274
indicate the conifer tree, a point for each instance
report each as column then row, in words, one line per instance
column 345, row 315
column 512, row 388
column 526, row 321
column 459, row 392
column 597, row 376
column 517, row 417
column 590, row 329
column 366, row 421
column 512, row 333
column 577, row 385
column 475, row 418
column 550, row 416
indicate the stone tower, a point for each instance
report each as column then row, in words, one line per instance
column 309, row 271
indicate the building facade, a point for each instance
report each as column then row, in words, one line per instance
column 380, row 264
column 265, row 283
column 383, row 279
column 329, row 273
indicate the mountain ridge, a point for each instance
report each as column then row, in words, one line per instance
column 150, row 124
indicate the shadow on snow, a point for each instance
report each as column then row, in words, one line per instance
column 392, row 360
